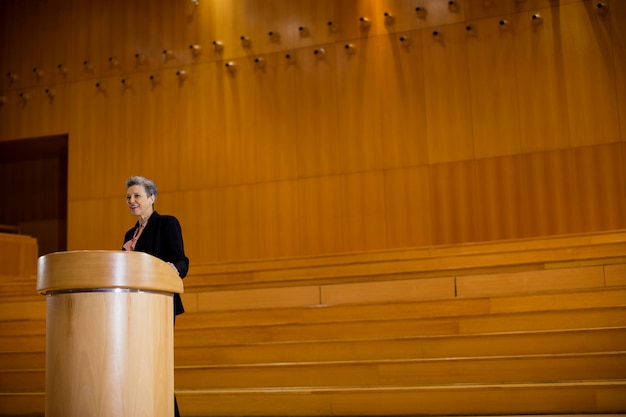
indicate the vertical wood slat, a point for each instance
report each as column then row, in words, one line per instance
column 548, row 193
column 618, row 31
column 500, row 198
column 599, row 184
column 363, row 211
column 495, row 113
column 408, row 207
column 316, row 112
column 319, row 205
column 402, row 101
column 448, row 112
column 454, row 216
column 586, row 53
column 358, row 124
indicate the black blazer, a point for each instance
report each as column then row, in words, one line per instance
column 163, row 238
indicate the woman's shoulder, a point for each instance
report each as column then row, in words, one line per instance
column 164, row 218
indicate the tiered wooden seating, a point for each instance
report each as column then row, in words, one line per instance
column 535, row 326
column 22, row 328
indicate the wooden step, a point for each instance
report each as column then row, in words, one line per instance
column 545, row 398
column 508, row 344
column 385, row 329
column 421, row 372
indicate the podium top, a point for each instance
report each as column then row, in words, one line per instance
column 92, row 270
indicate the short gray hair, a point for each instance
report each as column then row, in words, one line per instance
column 148, row 185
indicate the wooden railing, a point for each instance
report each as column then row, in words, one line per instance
column 534, row 326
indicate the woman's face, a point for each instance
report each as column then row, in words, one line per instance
column 138, row 201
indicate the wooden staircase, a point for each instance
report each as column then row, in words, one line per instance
column 534, row 326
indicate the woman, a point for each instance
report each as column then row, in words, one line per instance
column 158, row 235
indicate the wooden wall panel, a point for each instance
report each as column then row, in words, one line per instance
column 363, row 208
column 494, row 100
column 156, row 31
column 194, row 25
column 87, row 177
column 618, row 30
column 598, row 181
column 54, row 23
column 439, row 13
column 586, row 37
column 387, row 106
column 316, row 112
column 236, row 150
column 454, row 216
column 543, row 106
column 88, row 222
column 155, row 130
column 548, row 194
column 347, row 21
column 197, row 213
column 448, row 112
column 199, row 126
column 274, row 119
column 407, row 201
column 231, row 23
column 319, row 205
column 237, row 232
column 536, row 5
column 403, row 106
column 117, row 220
column 273, row 30
column 480, row 9
column 279, row 232
column 119, row 43
column 313, row 17
column 402, row 15
column 89, row 23
column 124, row 115
column 358, row 101
column 500, row 198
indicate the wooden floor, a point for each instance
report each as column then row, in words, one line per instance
column 533, row 327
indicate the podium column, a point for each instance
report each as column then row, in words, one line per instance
column 109, row 334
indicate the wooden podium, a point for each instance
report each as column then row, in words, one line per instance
column 109, row 334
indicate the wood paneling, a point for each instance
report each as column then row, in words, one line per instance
column 403, row 105
column 500, row 198
column 279, row 232
column 237, row 147
column 478, row 97
column 358, row 101
column 275, row 134
column 543, row 105
column 495, row 116
column 548, row 191
column 448, row 113
column 587, row 56
column 407, row 195
column 618, row 32
column 200, row 234
column 237, row 227
column 316, row 112
column 199, row 121
column 598, row 178
column 319, row 205
column 363, row 211
column 454, row 216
